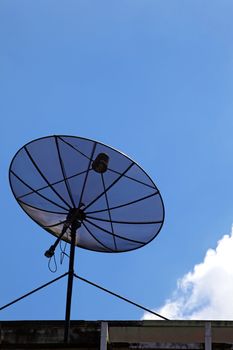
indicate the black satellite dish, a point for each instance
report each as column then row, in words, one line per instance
column 87, row 194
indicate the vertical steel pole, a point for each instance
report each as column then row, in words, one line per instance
column 208, row 336
column 70, row 283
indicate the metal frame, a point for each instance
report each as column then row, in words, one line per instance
column 71, row 274
column 76, row 215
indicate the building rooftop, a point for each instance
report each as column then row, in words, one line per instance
column 103, row 335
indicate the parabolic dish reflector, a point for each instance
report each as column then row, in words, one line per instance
column 120, row 207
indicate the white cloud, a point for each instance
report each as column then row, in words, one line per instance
column 207, row 291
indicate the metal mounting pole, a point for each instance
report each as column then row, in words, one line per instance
column 74, row 226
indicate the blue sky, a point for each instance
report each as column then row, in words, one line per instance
column 151, row 78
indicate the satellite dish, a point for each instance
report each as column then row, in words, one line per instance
column 118, row 206
column 89, row 195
